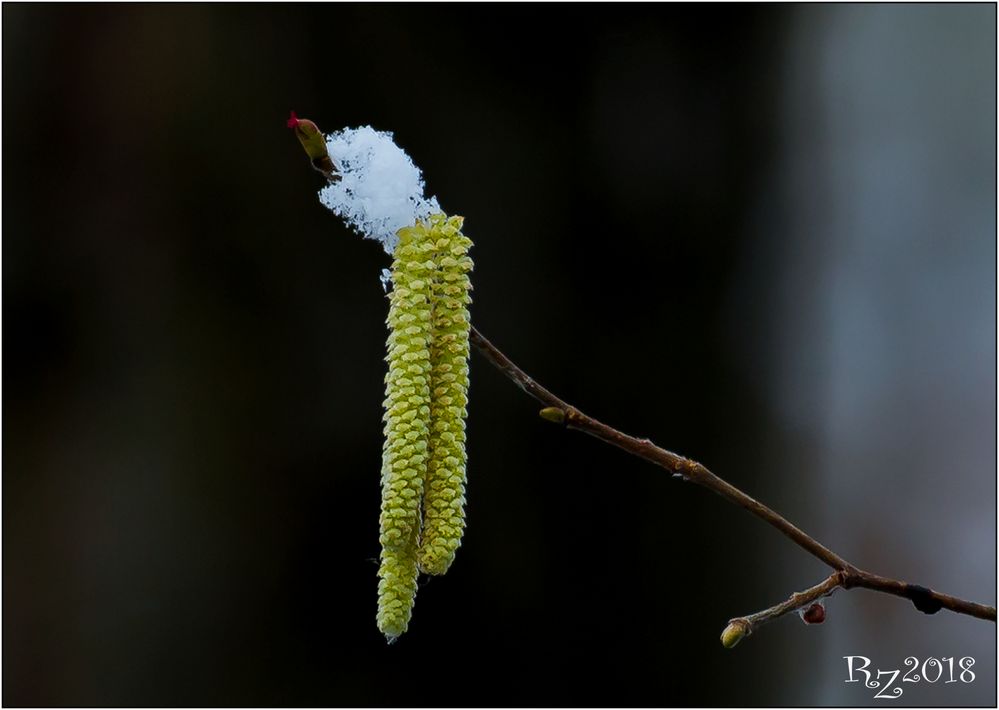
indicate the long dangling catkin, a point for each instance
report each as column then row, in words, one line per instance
column 379, row 191
column 407, row 426
column 444, row 489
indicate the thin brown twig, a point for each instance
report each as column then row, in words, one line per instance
column 845, row 576
column 748, row 624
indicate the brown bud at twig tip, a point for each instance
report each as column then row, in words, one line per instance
column 553, row 414
column 314, row 143
column 734, row 633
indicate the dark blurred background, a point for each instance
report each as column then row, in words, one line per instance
column 763, row 236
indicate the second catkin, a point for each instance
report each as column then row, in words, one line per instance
column 444, row 485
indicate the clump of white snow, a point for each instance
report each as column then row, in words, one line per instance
column 380, row 190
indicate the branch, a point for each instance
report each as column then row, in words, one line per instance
column 845, row 575
column 741, row 627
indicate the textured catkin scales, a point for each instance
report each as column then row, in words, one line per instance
column 379, row 191
column 444, row 488
column 407, row 427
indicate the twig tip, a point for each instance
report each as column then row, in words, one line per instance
column 736, row 630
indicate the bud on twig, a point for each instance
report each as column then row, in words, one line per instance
column 314, row 143
column 553, row 414
column 814, row 614
column 734, row 633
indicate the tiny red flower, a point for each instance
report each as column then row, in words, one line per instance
column 815, row 614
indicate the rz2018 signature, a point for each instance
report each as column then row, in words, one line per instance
column 890, row 686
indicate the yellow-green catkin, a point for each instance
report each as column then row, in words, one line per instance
column 444, row 489
column 407, row 427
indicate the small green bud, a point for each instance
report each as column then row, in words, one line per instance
column 553, row 414
column 734, row 633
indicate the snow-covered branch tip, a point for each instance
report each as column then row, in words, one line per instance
column 375, row 187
